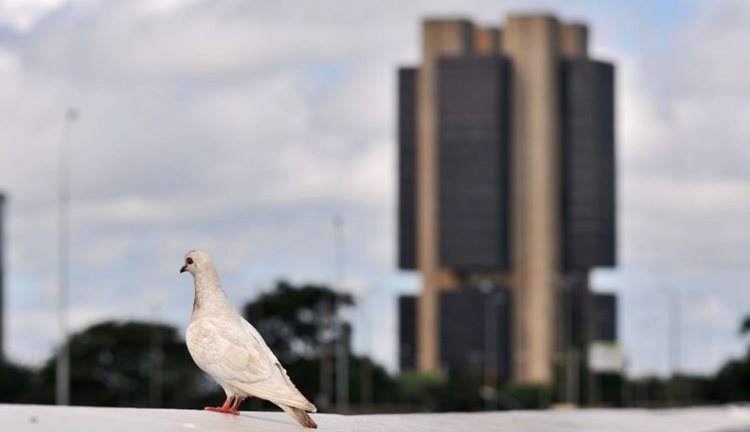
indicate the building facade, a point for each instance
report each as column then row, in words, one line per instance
column 506, row 177
column 475, row 333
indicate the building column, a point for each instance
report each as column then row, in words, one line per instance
column 574, row 40
column 532, row 44
column 439, row 38
column 486, row 41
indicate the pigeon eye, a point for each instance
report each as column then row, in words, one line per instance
column 189, row 261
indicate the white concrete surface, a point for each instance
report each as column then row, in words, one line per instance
column 37, row 418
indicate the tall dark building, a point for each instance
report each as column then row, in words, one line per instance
column 585, row 316
column 407, row 332
column 604, row 317
column 588, row 162
column 475, row 331
column 507, row 178
column 472, row 161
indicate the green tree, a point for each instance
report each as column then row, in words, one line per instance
column 745, row 326
column 732, row 381
column 15, row 381
column 128, row 364
column 421, row 390
column 293, row 321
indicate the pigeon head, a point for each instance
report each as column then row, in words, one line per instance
column 195, row 261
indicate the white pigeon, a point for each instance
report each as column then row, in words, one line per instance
column 228, row 348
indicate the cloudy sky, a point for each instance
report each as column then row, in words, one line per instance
column 242, row 127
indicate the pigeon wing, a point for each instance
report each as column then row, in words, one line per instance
column 278, row 377
column 235, row 354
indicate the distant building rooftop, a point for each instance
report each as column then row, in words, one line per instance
column 20, row 418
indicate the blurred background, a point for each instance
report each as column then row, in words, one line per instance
column 422, row 206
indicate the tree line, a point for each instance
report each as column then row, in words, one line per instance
column 146, row 364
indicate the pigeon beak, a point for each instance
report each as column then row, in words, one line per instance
column 183, row 269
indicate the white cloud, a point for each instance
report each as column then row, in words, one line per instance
column 22, row 14
column 684, row 190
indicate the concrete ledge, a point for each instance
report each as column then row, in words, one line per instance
column 21, row 418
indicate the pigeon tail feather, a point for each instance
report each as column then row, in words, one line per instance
column 300, row 415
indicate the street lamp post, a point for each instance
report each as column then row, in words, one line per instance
column 674, row 346
column 365, row 373
column 673, row 341
column 62, row 387
column 342, row 335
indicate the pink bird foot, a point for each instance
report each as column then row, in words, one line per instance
column 235, row 409
column 227, row 408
